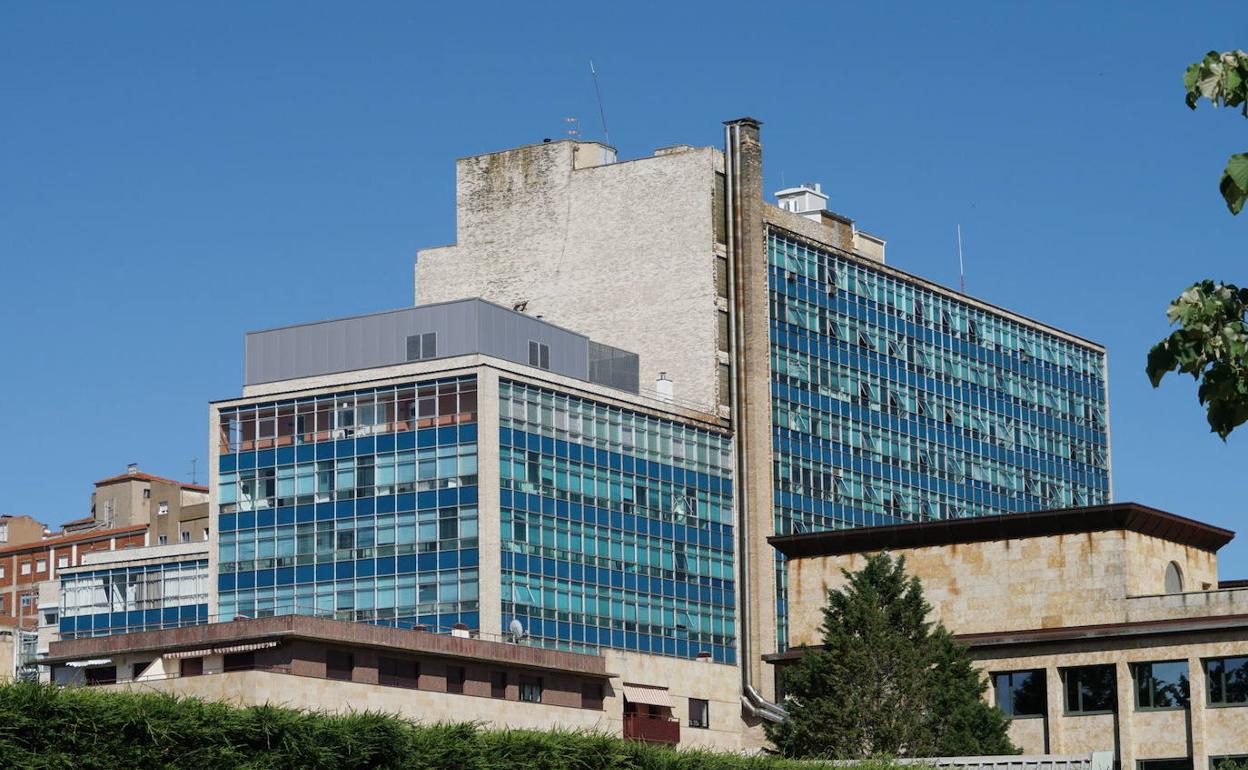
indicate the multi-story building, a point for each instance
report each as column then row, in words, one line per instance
column 466, row 467
column 1100, row 627
column 860, row 395
column 174, row 511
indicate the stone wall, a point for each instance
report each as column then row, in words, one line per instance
column 620, row 252
column 1138, row 734
column 1023, row 584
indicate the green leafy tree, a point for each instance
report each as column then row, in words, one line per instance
column 1211, row 343
column 886, row 682
column 1222, row 78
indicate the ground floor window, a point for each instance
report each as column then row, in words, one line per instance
column 530, row 689
column 1228, row 761
column 699, row 712
column 1090, row 689
column 1227, row 681
column 1164, row 764
column 339, row 664
column 1021, row 693
column 101, row 675
column 1161, row 685
column 455, row 676
column 398, row 672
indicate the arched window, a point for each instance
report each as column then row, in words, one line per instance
column 1174, row 579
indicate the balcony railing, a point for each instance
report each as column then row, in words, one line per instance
column 652, row 729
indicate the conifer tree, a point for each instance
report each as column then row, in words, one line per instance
column 886, row 682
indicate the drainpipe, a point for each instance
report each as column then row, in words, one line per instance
column 751, row 700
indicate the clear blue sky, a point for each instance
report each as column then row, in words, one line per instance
column 174, row 174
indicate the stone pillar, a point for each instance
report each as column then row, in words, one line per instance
column 489, row 513
column 1197, row 698
column 1053, row 718
column 1124, row 714
column 753, row 434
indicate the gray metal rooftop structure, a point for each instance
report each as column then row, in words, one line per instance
column 428, row 332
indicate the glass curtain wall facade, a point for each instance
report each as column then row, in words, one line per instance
column 616, row 527
column 122, row 600
column 359, row 505
column 893, row 403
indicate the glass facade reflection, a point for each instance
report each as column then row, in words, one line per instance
column 893, row 403
column 616, row 527
column 117, row 600
column 360, row 505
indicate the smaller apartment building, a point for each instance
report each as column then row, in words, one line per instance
column 23, row 567
column 1099, row 628
column 175, row 511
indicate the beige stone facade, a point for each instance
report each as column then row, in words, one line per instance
column 1201, row 732
column 1079, row 579
column 1058, row 590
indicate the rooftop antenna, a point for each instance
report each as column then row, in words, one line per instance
column 961, row 270
column 574, row 127
column 602, row 113
column 194, row 463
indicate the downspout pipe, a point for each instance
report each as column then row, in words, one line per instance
column 751, row 700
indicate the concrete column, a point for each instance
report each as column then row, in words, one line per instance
column 1196, row 711
column 1125, row 714
column 1054, row 718
column 489, row 514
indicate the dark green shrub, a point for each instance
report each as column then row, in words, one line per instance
column 44, row 727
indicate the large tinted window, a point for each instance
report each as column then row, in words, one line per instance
column 1021, row 693
column 1228, row 680
column 1164, row 764
column 1161, row 685
column 1090, row 689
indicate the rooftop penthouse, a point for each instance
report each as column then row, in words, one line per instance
column 431, row 332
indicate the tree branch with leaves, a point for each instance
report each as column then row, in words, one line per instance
column 1222, row 78
column 1211, row 343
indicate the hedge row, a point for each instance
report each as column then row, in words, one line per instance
column 45, row 727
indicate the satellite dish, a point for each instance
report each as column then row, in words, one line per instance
column 516, row 630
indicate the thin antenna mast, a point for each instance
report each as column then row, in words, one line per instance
column 961, row 270
column 602, row 113
column 194, row 466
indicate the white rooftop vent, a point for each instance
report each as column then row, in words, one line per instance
column 807, row 200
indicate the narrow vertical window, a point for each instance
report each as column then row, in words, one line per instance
column 539, row 355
